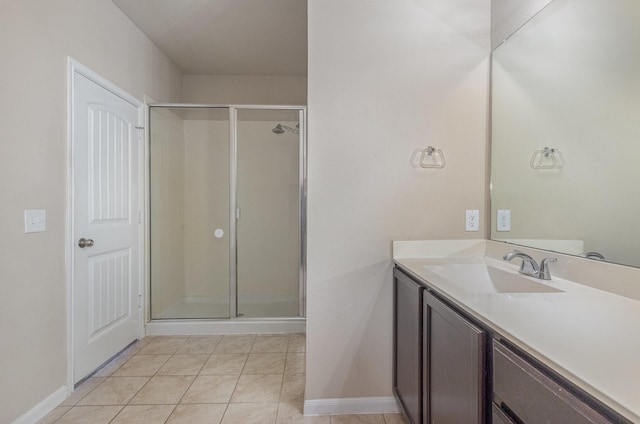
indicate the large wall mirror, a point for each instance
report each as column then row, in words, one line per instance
column 565, row 162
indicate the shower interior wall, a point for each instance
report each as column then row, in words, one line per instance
column 190, row 192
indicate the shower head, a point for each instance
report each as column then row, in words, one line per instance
column 280, row 129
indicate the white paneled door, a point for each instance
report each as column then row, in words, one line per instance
column 107, row 214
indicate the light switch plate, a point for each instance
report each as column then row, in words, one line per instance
column 35, row 220
column 503, row 220
column 473, row 220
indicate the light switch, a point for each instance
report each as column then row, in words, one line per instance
column 35, row 220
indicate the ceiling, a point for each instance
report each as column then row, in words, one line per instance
column 226, row 37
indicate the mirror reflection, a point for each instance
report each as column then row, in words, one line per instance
column 565, row 171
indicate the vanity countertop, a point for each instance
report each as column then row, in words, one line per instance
column 589, row 336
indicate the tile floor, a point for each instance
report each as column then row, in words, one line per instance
column 240, row 379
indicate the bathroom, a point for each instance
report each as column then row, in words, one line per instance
column 384, row 78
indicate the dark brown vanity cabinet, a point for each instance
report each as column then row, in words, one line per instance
column 448, row 370
column 439, row 358
column 453, row 366
column 407, row 346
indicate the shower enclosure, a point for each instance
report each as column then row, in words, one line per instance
column 226, row 211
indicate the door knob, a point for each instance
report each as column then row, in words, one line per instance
column 83, row 242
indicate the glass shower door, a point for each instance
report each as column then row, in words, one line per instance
column 268, row 226
column 189, row 171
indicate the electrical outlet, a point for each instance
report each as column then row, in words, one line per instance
column 473, row 220
column 503, row 220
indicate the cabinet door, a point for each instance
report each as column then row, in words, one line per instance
column 454, row 364
column 407, row 344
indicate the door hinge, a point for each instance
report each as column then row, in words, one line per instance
column 237, row 213
column 139, row 301
column 139, row 217
column 140, row 132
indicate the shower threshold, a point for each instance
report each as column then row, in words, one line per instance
column 193, row 315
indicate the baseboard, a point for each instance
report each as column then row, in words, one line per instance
column 205, row 327
column 47, row 405
column 364, row 405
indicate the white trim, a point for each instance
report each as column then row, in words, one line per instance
column 363, row 405
column 147, row 215
column 225, row 326
column 73, row 67
column 44, row 407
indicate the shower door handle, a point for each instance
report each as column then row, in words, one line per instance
column 83, row 242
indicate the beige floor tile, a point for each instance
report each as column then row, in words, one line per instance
column 199, row 344
column 292, row 388
column 235, row 344
column 53, row 416
column 291, row 413
column 135, row 347
column 295, row 363
column 270, row 344
column 250, row 413
column 89, row 415
column 141, row 366
column 258, row 388
column 358, row 419
column 224, row 363
column 163, row 390
column 395, row 419
column 82, row 390
column 297, row 343
column 198, row 414
column 144, row 414
column 115, row 391
column 265, row 363
column 183, row 365
column 165, row 345
column 211, row 389
column 110, row 367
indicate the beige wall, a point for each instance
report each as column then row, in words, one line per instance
column 35, row 39
column 251, row 90
column 385, row 78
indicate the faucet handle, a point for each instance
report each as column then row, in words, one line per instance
column 544, row 272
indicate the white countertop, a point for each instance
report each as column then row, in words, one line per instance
column 589, row 336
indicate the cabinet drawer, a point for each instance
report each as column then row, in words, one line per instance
column 499, row 417
column 530, row 396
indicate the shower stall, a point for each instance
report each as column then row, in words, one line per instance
column 226, row 202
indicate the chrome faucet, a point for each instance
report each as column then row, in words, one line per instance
column 530, row 267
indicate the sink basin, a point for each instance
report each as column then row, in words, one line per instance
column 482, row 278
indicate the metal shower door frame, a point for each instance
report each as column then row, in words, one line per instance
column 233, row 218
